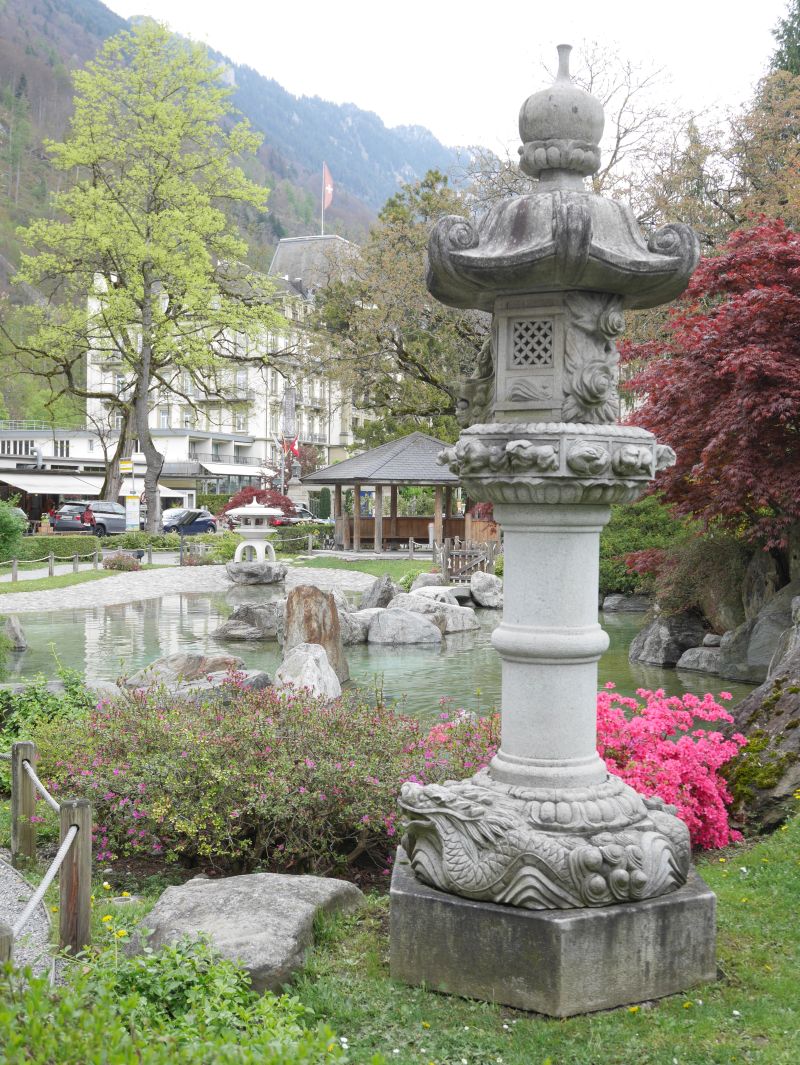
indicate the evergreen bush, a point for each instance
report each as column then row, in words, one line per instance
column 63, row 546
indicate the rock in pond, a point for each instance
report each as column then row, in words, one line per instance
column 313, row 618
column 487, row 590
column 448, row 617
column 439, row 594
column 306, row 665
column 663, row 641
column 254, row 622
column 700, row 659
column 381, row 593
column 613, row 604
column 255, row 572
column 426, row 580
column 175, row 670
column 15, row 634
column 748, row 650
column 402, row 626
column 263, row 921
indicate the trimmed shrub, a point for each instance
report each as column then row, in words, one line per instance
column 324, row 507
column 292, row 539
column 241, row 780
column 121, row 562
column 213, row 501
column 12, row 527
column 65, row 546
column 134, row 540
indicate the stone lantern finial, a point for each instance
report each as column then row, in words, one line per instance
column 560, row 129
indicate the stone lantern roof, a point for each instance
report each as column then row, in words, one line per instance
column 560, row 236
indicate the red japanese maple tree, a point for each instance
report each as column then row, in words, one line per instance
column 724, row 388
column 267, row 497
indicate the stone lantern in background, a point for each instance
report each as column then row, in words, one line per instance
column 545, row 882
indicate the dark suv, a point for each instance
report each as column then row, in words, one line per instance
column 108, row 517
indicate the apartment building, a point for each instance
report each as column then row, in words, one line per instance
column 223, row 432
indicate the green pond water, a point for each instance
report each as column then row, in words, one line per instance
column 106, row 642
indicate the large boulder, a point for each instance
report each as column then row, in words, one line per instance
column 439, row 594
column 172, row 671
column 312, row 617
column 762, row 579
column 306, row 666
column 613, row 604
column 263, row 921
column 748, row 650
column 700, row 659
column 354, row 626
column 663, row 641
column 15, row 634
column 449, row 617
column 403, row 626
column 426, row 580
column 263, row 621
column 789, row 641
column 380, row 593
column 487, row 590
column 255, row 572
column 766, row 774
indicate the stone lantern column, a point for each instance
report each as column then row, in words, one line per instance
column 546, row 833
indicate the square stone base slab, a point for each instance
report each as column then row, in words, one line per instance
column 556, row 962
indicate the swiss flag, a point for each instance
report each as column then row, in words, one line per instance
column 292, row 446
column 327, row 186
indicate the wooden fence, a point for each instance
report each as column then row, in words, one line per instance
column 459, row 559
column 73, row 860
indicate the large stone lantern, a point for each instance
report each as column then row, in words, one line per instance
column 256, row 531
column 544, row 881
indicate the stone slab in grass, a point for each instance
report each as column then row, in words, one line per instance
column 263, row 921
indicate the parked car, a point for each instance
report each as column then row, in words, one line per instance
column 301, row 516
column 203, row 522
column 108, row 517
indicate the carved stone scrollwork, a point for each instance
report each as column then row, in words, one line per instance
column 665, row 457
column 591, row 359
column 582, row 157
column 476, row 392
column 630, row 459
column 587, row 458
column 543, row 849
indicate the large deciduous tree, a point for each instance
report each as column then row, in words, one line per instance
column 398, row 349
column 724, row 388
column 143, row 269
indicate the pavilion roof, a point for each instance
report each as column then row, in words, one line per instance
column 408, row 461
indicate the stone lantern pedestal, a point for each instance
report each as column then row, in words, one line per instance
column 544, row 881
column 256, row 531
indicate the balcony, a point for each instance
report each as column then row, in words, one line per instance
column 235, row 460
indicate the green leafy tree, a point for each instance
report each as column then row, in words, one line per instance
column 398, row 349
column 141, row 265
column 787, row 37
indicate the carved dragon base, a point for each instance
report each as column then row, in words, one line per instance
column 543, row 849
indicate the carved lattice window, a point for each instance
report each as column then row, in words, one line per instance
column 532, row 342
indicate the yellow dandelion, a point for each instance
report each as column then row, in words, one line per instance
column 54, row 909
column 125, row 895
column 119, row 934
column 106, row 886
column 723, row 860
column 633, row 1009
column 687, row 1005
column 107, row 917
column 425, row 1024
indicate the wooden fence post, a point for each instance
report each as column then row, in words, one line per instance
column 23, row 804
column 14, row 565
column 51, row 564
column 310, row 543
column 149, row 554
column 75, row 563
column 411, row 547
column 95, row 558
column 76, row 877
column 6, row 942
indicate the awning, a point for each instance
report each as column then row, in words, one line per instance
column 130, row 487
column 230, row 469
column 53, row 484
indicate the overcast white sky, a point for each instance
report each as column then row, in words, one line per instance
column 463, row 69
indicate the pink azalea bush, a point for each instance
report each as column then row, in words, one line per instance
column 264, row 779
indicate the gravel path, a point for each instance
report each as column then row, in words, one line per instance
column 150, row 584
column 33, row 945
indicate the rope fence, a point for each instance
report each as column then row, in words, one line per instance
column 51, row 560
column 73, row 860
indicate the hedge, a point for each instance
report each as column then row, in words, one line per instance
column 33, row 547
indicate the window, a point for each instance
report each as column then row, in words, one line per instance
column 274, row 417
column 163, row 417
column 119, row 383
column 241, row 423
column 188, row 418
column 241, row 380
column 61, row 449
column 215, row 453
column 116, row 419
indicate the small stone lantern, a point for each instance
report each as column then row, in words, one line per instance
column 255, row 530
column 545, row 882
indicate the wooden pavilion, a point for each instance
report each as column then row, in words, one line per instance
column 410, row 461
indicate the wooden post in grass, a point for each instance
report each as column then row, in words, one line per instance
column 76, row 877
column 95, row 558
column 75, row 563
column 51, row 564
column 6, row 942
column 23, row 804
column 149, row 554
column 14, row 566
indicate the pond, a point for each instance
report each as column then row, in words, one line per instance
column 106, row 642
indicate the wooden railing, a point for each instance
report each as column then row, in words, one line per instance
column 73, row 860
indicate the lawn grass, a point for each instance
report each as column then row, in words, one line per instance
column 395, row 567
column 751, row 1014
column 61, row 580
